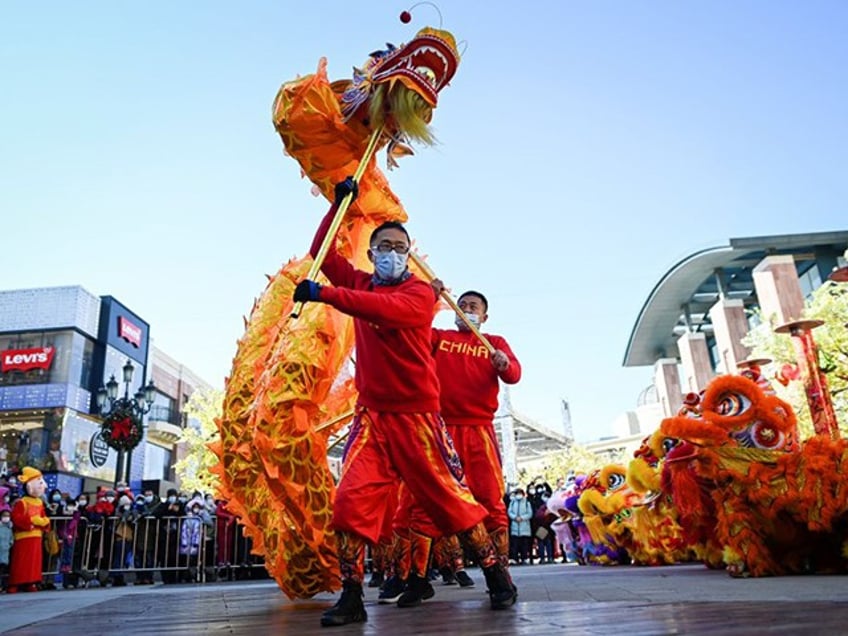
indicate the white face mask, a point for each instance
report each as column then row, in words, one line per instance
column 172, row 500
column 148, row 499
column 474, row 319
column 389, row 265
column 5, row 519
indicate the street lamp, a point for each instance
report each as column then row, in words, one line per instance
column 123, row 416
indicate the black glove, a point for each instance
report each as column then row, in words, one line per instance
column 306, row 291
column 344, row 188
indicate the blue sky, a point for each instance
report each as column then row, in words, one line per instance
column 585, row 148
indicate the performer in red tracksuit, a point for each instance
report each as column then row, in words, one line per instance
column 469, row 378
column 397, row 432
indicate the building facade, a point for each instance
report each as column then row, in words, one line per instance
column 691, row 327
column 59, row 346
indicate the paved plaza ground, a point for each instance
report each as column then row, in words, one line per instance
column 553, row 599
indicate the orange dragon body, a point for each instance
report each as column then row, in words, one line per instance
column 289, row 377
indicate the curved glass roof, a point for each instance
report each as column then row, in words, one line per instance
column 681, row 300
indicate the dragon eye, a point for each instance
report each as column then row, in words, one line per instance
column 732, row 404
column 615, row 481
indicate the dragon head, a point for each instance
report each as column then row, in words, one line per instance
column 399, row 86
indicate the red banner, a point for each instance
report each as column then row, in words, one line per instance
column 27, row 359
column 129, row 332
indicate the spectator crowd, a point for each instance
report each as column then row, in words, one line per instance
column 115, row 536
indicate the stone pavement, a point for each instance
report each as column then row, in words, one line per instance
column 562, row 599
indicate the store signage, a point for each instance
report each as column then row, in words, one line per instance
column 98, row 450
column 129, row 331
column 27, row 359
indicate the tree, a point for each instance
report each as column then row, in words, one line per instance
column 577, row 458
column 830, row 304
column 202, row 409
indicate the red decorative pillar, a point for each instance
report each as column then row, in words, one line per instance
column 815, row 382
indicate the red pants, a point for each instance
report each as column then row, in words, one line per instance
column 385, row 448
column 477, row 447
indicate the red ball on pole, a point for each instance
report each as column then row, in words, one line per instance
column 405, row 17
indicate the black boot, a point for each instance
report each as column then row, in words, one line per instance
column 447, row 576
column 502, row 591
column 391, row 590
column 418, row 589
column 376, row 579
column 463, row 579
column 349, row 609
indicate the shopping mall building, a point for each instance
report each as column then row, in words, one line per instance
column 59, row 346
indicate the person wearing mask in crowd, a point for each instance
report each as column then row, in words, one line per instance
column 169, row 513
column 540, row 526
column 192, row 537
column 67, row 531
column 397, row 432
column 145, row 536
column 211, row 505
column 209, row 543
column 53, row 504
column 82, row 502
column 520, row 512
column 124, row 532
column 6, row 539
column 98, row 514
column 226, row 540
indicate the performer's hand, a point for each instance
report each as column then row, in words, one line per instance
column 438, row 286
column 500, row 360
column 344, row 188
column 40, row 521
column 306, row 291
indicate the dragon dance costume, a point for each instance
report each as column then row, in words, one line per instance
column 290, row 378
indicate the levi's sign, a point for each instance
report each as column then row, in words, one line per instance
column 129, row 331
column 27, row 359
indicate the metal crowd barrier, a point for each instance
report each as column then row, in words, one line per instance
column 136, row 549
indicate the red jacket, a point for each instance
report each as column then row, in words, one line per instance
column 394, row 368
column 469, row 382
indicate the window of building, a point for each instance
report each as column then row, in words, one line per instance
column 24, row 358
column 32, row 439
column 164, row 409
column 810, row 280
column 158, row 463
column 86, row 368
